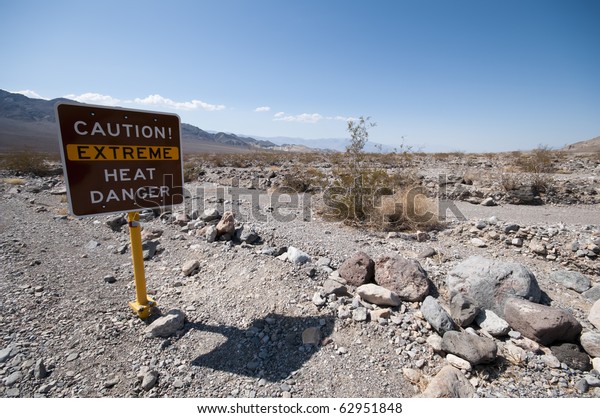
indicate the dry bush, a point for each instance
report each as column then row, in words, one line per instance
column 540, row 160
column 301, row 179
column 27, row 162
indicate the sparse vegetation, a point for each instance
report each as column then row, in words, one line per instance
column 27, row 162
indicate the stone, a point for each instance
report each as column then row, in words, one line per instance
column 149, row 380
column 331, row 286
column 149, row 248
column 247, row 234
column 492, row 323
column 377, row 314
column 490, row 283
column 190, row 267
column 296, row 256
column 428, row 253
column 413, row 375
column 405, row 277
column 435, row 342
column 360, row 314
column 511, row 228
column 458, row 362
column 210, row 215
column 592, row 379
column 378, row 295
column 571, row 280
column 478, row 242
column 13, row 378
column 551, row 361
column 543, row 324
column 590, row 341
column 210, row 233
column 463, row 309
column 514, row 354
column 311, row 335
column 166, row 325
column 517, row 242
column 358, row 269
column 116, row 223
column 593, row 294
column 109, row 279
column 437, row 316
column 449, row 383
column 474, row 349
column 581, row 386
column 226, row 225
column 39, row 370
column 7, row 353
column 318, row 299
column 571, row 355
column 538, row 248
column 91, row 245
column 594, row 315
column 488, row 201
column 596, row 363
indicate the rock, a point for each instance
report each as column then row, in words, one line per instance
column 521, row 195
column 39, row 370
column 571, row 280
column 166, row 325
column 294, row 255
column 226, row 225
column 514, row 354
column 331, row 286
column 590, row 341
column 7, row 353
column 490, row 283
column 344, row 312
column 458, row 362
column 593, row 379
column 543, row 324
column 311, row 335
column 413, row 375
column 91, row 245
column 551, row 361
column 538, row 248
column 378, row 295
column 109, row 279
column 478, row 242
column 210, row 233
column 571, row 355
column 116, row 223
column 474, row 349
column 210, row 215
column 435, row 342
column 358, row 269
column 318, row 300
column 449, row 383
column 517, row 242
column 247, row 234
column 596, row 363
column 360, row 314
column 581, row 386
column 377, row 314
column 492, row 323
column 463, row 309
column 403, row 276
column 149, row 380
column 428, row 253
column 511, row 228
column 149, row 249
column 437, row 316
column 593, row 294
column 190, row 267
column 594, row 315
column 488, row 201
column 13, row 378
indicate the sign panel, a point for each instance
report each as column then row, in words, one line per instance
column 119, row 160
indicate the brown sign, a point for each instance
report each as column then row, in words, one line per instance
column 119, row 160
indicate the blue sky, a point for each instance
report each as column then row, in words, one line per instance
column 468, row 75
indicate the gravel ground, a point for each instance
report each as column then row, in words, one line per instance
column 65, row 324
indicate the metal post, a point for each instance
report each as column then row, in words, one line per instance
column 143, row 304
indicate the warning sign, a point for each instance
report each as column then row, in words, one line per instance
column 119, row 160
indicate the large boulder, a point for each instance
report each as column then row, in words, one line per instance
column 403, row 276
column 449, row 383
column 543, row 324
column 358, row 269
column 473, row 348
column 437, row 316
column 491, row 283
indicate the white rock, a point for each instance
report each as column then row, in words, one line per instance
column 458, row 362
column 378, row 295
column 594, row 316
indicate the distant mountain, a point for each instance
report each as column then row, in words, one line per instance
column 325, row 144
column 26, row 122
column 591, row 145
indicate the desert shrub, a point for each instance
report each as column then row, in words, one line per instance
column 539, row 160
column 363, row 194
column 192, row 169
column 26, row 162
column 303, row 179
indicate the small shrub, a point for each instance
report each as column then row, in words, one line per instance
column 26, row 162
column 539, row 160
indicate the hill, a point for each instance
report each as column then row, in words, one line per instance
column 591, row 145
column 31, row 123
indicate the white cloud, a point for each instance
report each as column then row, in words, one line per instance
column 303, row 118
column 158, row 100
column 30, row 93
column 94, row 98
column 262, row 109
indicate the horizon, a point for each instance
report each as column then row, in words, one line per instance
column 461, row 76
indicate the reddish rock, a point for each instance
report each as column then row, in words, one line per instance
column 226, row 225
column 403, row 276
column 358, row 269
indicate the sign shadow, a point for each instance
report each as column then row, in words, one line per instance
column 270, row 348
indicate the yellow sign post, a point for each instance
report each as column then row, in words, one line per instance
column 143, row 305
